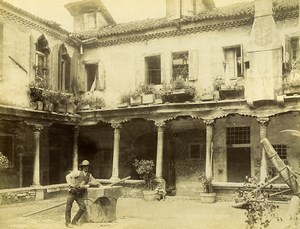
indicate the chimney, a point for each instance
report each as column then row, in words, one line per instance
column 265, row 55
column 176, row 9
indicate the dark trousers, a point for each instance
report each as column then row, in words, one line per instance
column 70, row 200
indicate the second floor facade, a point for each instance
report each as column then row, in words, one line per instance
column 219, row 54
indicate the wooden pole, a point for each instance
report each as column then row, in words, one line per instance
column 46, row 209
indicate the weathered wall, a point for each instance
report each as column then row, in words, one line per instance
column 19, row 44
column 188, row 170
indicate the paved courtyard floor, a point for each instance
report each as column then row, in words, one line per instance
column 135, row 214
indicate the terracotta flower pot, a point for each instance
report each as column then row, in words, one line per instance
column 150, row 195
column 208, row 198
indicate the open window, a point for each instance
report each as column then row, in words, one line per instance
column 153, row 69
column 185, row 65
column 64, row 78
column 41, row 57
column 92, row 75
column 233, row 63
column 180, row 65
column 292, row 51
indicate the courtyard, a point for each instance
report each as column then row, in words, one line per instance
column 174, row 212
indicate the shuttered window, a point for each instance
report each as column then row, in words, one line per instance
column 234, row 66
column 185, row 65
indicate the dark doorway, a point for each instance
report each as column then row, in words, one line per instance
column 238, row 164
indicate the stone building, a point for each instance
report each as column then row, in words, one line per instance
column 236, row 67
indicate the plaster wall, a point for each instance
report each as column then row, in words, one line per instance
column 19, row 46
column 125, row 66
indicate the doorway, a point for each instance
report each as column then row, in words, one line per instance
column 238, row 164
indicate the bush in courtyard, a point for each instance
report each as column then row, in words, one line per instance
column 145, row 169
column 3, row 161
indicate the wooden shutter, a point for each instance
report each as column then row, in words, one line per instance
column 166, row 65
column 140, row 73
column 288, row 54
column 242, row 60
column 55, row 67
column 74, row 80
column 217, row 60
column 193, row 65
column 80, row 73
column 32, row 59
column 100, row 81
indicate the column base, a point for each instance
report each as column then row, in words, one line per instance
column 115, row 179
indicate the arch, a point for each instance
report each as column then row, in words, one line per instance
column 42, row 45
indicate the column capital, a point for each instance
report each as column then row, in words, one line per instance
column 209, row 121
column 76, row 129
column 116, row 125
column 37, row 128
column 263, row 120
column 160, row 124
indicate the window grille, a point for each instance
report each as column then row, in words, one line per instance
column 238, row 135
column 281, row 150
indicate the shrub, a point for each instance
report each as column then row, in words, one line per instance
column 145, row 169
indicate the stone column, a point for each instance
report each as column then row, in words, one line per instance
column 263, row 133
column 116, row 153
column 209, row 142
column 36, row 162
column 75, row 147
column 159, row 154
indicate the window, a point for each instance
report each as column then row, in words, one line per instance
column 41, row 58
column 6, row 147
column 292, row 51
column 64, row 79
column 197, row 151
column 180, row 65
column 281, row 150
column 153, row 67
column 295, row 47
column 233, row 62
column 92, row 73
column 90, row 20
column 238, row 135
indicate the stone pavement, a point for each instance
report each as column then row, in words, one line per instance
column 136, row 214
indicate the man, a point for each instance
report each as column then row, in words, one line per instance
column 78, row 181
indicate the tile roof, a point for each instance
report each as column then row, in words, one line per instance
column 235, row 11
column 49, row 23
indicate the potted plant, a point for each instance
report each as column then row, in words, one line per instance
column 148, row 92
column 145, row 169
column 178, row 91
column 207, row 196
column 49, row 99
column 135, row 97
column 124, row 100
column 207, row 95
column 70, row 106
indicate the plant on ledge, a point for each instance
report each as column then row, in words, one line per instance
column 91, row 100
column 178, row 91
